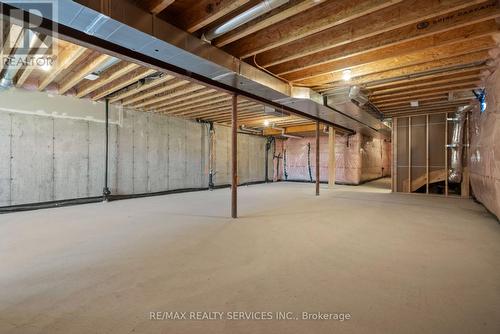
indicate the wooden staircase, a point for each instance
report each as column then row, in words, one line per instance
column 434, row 176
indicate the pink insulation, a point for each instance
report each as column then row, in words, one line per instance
column 375, row 157
column 296, row 158
column 485, row 147
column 358, row 158
column 348, row 159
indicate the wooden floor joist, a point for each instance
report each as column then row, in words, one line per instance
column 159, row 89
column 398, row 51
column 141, row 88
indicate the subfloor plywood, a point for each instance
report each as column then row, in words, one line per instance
column 397, row 263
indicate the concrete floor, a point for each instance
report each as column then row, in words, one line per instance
column 397, row 263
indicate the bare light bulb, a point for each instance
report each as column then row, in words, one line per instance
column 346, row 75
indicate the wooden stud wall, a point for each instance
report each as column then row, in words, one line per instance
column 466, row 154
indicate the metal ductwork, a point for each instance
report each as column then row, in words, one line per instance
column 455, row 171
column 275, row 113
column 357, row 96
column 238, row 20
column 169, row 49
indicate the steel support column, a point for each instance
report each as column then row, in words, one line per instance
column 106, row 192
column 317, row 158
column 234, row 157
column 331, row 157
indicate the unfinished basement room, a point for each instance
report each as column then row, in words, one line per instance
column 250, row 166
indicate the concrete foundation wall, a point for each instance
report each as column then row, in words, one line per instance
column 52, row 148
column 251, row 157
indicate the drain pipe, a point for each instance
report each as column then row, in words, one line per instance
column 254, row 12
column 269, row 143
column 211, row 154
column 309, row 162
column 105, row 191
column 455, row 171
column 211, row 151
column 283, row 134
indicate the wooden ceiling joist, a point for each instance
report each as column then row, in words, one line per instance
column 243, row 115
column 141, row 87
column 409, row 98
column 124, row 81
column 429, row 105
column 290, row 71
column 383, row 28
column 423, row 102
column 175, row 109
column 207, row 109
column 35, row 51
column 273, row 120
column 402, row 102
column 279, row 14
column 424, row 79
column 316, row 19
column 74, row 78
column 398, row 50
column 290, row 130
column 169, row 95
column 190, row 99
column 156, row 6
column 64, row 60
column 474, row 78
column 474, row 58
column 427, row 71
column 424, row 88
column 111, row 74
column 414, row 58
column 166, row 86
column 422, row 113
column 203, row 12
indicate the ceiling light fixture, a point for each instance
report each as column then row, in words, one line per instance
column 92, row 76
column 46, row 67
column 266, row 122
column 346, row 75
column 43, row 63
